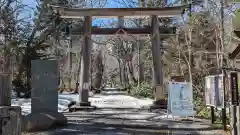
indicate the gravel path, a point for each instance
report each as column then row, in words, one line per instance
column 128, row 121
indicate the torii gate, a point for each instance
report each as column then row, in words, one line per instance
column 87, row 30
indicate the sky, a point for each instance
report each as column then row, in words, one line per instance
column 109, row 4
column 31, row 3
column 96, row 22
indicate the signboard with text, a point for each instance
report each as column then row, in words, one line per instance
column 214, row 91
column 180, row 99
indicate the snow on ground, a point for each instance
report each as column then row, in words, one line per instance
column 100, row 100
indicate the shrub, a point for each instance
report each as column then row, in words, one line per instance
column 143, row 90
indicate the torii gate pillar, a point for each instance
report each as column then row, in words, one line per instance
column 85, row 63
column 158, row 74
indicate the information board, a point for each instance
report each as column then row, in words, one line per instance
column 180, row 99
column 214, row 93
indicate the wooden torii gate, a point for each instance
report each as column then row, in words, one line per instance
column 87, row 30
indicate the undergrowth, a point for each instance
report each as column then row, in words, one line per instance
column 145, row 90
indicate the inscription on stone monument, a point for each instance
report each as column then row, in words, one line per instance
column 44, row 83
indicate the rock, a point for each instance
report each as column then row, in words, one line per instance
column 91, row 94
column 60, row 119
column 43, row 121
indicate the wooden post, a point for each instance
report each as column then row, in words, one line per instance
column 233, row 120
column 120, row 21
column 78, row 71
column 224, row 113
column 234, row 102
column 212, row 115
column 85, row 63
column 5, row 89
column 157, row 62
column 238, row 119
column 155, row 51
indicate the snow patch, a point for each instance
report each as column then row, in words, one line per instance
column 101, row 101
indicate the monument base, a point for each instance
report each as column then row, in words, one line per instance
column 82, row 106
column 43, row 121
column 159, row 104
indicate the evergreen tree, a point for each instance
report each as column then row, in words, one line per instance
column 47, row 28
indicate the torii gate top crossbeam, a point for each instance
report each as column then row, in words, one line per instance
column 75, row 13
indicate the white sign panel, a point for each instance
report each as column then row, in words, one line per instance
column 180, row 99
column 214, row 93
column 85, row 86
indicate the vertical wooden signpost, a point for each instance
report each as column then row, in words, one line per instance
column 234, row 102
column 234, row 98
column 233, row 55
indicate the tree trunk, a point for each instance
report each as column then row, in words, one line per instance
column 98, row 69
column 120, row 72
column 78, row 73
column 140, row 64
column 138, row 67
column 125, row 76
column 130, row 70
column 70, row 63
column 190, row 55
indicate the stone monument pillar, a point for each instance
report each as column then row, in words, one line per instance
column 44, row 83
column 44, row 107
